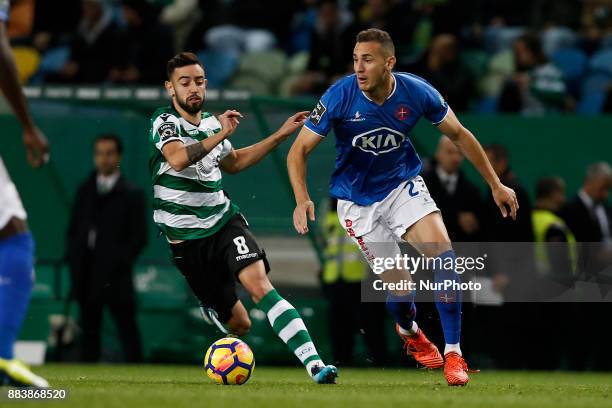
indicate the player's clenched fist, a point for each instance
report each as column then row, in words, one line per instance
column 303, row 212
column 229, row 121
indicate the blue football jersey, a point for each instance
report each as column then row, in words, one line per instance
column 373, row 151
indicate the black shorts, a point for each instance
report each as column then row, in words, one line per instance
column 211, row 265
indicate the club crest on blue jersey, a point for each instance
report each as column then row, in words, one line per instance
column 379, row 141
column 402, row 112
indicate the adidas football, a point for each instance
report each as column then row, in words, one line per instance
column 229, row 361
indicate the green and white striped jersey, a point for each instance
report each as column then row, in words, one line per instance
column 187, row 204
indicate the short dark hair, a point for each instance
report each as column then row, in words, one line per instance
column 113, row 138
column 182, row 59
column 379, row 36
column 547, row 186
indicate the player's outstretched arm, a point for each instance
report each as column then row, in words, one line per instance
column 296, row 165
column 181, row 156
column 471, row 148
column 35, row 142
column 246, row 157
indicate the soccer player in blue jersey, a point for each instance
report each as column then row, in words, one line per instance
column 381, row 197
column 16, row 242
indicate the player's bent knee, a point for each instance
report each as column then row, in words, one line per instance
column 260, row 291
column 240, row 327
column 255, row 280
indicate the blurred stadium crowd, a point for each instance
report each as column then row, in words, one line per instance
column 532, row 57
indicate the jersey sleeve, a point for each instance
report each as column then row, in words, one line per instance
column 433, row 105
column 226, row 148
column 165, row 130
column 322, row 117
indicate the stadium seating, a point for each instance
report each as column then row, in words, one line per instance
column 260, row 72
column 601, row 62
column 220, row 66
column 594, row 88
column 573, row 63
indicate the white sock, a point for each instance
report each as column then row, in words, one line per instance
column 452, row 348
column 412, row 331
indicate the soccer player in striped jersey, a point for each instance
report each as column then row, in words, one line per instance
column 16, row 242
column 209, row 238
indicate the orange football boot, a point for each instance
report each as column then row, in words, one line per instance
column 456, row 369
column 421, row 349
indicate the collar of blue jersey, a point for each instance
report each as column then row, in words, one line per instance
column 390, row 95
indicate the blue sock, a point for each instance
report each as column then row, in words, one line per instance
column 16, row 282
column 403, row 309
column 448, row 302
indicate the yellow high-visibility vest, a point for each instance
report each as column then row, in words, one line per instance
column 542, row 220
column 343, row 259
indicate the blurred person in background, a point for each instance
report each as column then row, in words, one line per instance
column 181, row 16
column 330, row 42
column 106, row 233
column 498, row 229
column 441, row 66
column 596, row 24
column 146, row 44
column 511, row 270
column 590, row 219
column 555, row 261
column 396, row 17
column 95, row 48
column 458, row 199
column 537, row 86
column 587, row 214
column 343, row 271
column 252, row 25
column 552, row 261
column 16, row 241
column 51, row 28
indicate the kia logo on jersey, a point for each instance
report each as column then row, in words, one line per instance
column 378, row 141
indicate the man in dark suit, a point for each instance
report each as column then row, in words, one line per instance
column 590, row 219
column 457, row 198
column 587, row 215
column 505, row 229
column 107, row 231
column 511, row 266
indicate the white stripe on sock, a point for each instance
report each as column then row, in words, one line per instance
column 278, row 309
column 306, row 350
column 291, row 329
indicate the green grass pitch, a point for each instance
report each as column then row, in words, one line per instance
column 92, row 386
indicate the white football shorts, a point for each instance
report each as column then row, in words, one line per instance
column 377, row 228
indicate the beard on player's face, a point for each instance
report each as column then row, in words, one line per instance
column 191, row 104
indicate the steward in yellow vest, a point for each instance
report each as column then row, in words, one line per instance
column 553, row 258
